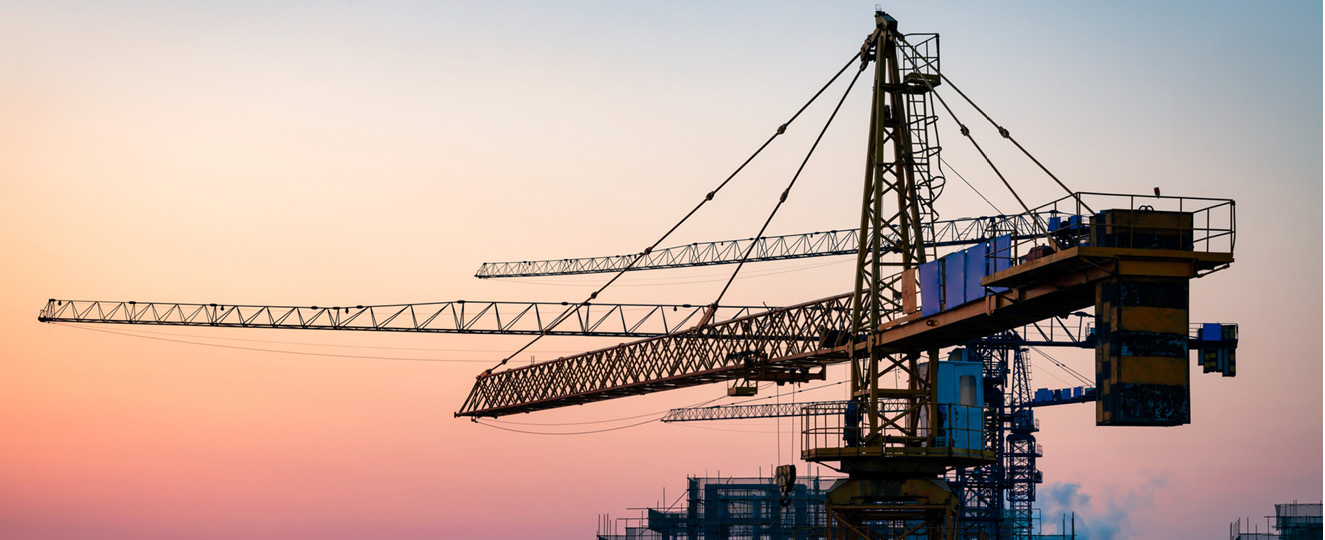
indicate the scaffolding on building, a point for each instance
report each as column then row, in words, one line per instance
column 1291, row 521
column 750, row 508
column 730, row 508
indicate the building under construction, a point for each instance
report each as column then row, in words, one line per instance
column 1292, row 521
column 751, row 508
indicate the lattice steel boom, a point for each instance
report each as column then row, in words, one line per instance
column 738, row 412
column 956, row 232
column 457, row 317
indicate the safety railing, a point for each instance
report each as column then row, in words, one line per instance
column 1082, row 219
column 1024, row 420
column 1076, row 220
column 1201, row 332
column 1025, row 449
column 842, row 428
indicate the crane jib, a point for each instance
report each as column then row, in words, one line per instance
column 1058, row 284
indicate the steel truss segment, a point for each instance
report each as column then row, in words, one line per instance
column 888, row 175
column 457, row 317
column 763, row 410
column 956, row 232
column 790, row 338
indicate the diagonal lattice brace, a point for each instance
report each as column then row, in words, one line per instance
column 796, row 337
column 457, row 317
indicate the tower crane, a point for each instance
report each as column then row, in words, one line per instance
column 1131, row 263
column 1131, row 259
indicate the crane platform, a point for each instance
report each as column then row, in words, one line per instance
column 817, row 333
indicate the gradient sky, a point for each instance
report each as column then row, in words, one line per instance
column 325, row 153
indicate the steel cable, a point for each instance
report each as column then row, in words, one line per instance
column 968, row 184
column 707, row 197
column 604, row 430
column 783, row 198
column 1008, row 135
column 1065, row 367
column 303, row 353
column 1001, row 131
column 966, row 132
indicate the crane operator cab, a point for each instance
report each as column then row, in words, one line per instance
column 960, row 403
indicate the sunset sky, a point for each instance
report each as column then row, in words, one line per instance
column 324, row 153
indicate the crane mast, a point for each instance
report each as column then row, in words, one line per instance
column 889, row 175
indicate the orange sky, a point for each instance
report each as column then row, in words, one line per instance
column 307, row 153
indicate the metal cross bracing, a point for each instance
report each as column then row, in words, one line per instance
column 982, row 490
column 798, row 337
column 920, row 61
column 457, row 317
column 739, row 412
column 953, row 232
column 893, row 200
column 1021, row 451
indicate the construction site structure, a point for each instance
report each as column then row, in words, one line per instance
column 995, row 500
column 1291, row 521
column 730, row 508
column 750, row 508
column 912, row 416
